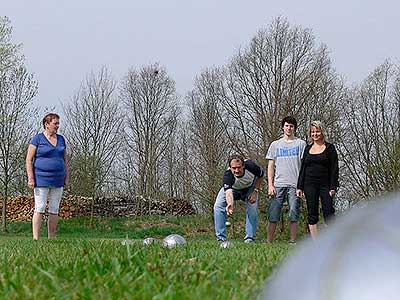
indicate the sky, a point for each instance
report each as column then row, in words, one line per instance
column 63, row 41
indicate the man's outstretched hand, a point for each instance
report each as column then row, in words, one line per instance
column 229, row 209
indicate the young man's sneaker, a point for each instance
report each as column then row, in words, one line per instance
column 292, row 242
column 249, row 240
column 220, row 240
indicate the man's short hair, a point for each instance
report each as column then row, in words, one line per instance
column 289, row 120
column 235, row 157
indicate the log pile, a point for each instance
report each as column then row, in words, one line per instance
column 133, row 206
column 20, row 208
column 171, row 206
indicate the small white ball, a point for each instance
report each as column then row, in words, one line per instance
column 226, row 244
column 126, row 242
column 149, row 241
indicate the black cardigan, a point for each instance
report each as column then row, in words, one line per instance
column 333, row 167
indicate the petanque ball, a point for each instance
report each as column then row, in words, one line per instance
column 173, row 240
column 357, row 257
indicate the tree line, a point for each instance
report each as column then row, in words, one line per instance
column 138, row 137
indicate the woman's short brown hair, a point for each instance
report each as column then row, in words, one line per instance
column 48, row 118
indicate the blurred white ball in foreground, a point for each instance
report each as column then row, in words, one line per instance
column 226, row 244
column 227, row 224
column 173, row 240
column 356, row 258
column 149, row 241
column 126, row 242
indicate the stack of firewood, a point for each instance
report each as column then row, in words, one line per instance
column 171, row 206
column 73, row 206
column 20, row 208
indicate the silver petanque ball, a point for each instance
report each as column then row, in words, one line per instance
column 226, row 244
column 173, row 240
column 149, row 241
column 126, row 242
column 227, row 224
column 358, row 257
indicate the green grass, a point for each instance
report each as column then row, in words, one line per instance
column 91, row 263
column 105, row 269
column 102, row 228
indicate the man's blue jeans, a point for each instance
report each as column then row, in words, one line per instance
column 220, row 214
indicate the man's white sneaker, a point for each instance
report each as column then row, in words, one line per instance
column 249, row 240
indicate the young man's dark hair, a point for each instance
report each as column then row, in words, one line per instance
column 289, row 120
column 234, row 157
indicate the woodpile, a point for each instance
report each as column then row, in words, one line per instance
column 20, row 208
column 133, row 206
column 171, row 206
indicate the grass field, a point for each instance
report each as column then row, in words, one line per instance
column 91, row 263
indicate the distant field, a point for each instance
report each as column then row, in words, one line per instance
column 91, row 263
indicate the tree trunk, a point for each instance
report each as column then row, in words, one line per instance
column 92, row 207
column 4, row 210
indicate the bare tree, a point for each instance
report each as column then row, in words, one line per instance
column 282, row 72
column 184, row 168
column 9, row 52
column 150, row 102
column 93, row 130
column 209, row 143
column 171, row 185
column 371, row 135
column 17, row 90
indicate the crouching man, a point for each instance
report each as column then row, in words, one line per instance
column 241, row 181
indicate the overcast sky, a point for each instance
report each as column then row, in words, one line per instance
column 64, row 40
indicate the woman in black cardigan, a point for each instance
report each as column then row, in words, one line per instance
column 319, row 177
